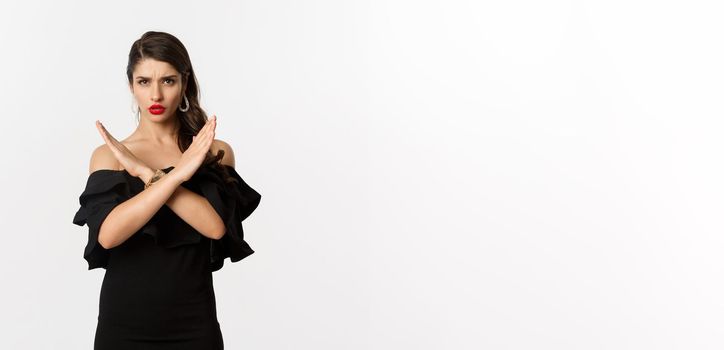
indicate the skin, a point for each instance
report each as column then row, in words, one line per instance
column 152, row 146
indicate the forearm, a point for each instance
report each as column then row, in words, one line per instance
column 196, row 211
column 128, row 217
column 192, row 208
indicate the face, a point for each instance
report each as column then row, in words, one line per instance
column 157, row 83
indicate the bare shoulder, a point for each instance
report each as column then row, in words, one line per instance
column 103, row 158
column 228, row 158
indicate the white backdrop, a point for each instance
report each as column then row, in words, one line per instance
column 434, row 174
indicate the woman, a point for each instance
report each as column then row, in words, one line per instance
column 164, row 209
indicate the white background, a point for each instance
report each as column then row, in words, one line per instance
column 434, row 174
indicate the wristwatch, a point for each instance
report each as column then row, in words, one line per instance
column 156, row 176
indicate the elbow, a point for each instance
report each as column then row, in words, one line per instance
column 103, row 241
column 218, row 228
column 218, row 233
column 218, row 236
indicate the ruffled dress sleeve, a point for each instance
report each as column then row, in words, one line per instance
column 104, row 190
column 234, row 201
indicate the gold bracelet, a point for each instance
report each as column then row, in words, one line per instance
column 156, row 176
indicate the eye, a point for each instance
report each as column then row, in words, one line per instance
column 143, row 81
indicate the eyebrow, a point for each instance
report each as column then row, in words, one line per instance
column 168, row 76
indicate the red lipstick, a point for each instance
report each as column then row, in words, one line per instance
column 156, row 109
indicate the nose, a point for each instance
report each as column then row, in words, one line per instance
column 156, row 93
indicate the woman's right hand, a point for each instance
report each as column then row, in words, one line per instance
column 194, row 156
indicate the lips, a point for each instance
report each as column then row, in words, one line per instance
column 156, row 109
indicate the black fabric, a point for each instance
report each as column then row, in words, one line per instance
column 158, row 284
column 234, row 202
column 104, row 190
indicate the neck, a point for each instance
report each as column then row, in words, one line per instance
column 165, row 131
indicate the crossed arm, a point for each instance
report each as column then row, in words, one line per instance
column 128, row 217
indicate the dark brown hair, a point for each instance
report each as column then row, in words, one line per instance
column 165, row 47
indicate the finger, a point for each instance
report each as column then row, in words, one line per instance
column 103, row 132
column 204, row 129
column 210, row 138
column 204, row 134
column 117, row 148
column 210, row 130
column 213, row 124
column 201, row 140
column 110, row 140
column 106, row 132
column 200, row 134
column 211, row 127
column 211, row 121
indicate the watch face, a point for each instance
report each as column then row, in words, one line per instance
column 155, row 177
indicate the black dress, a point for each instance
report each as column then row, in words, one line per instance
column 157, row 291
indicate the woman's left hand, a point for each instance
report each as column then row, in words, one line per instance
column 128, row 160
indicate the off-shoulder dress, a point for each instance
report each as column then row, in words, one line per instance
column 157, row 291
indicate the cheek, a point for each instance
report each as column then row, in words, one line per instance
column 140, row 91
column 173, row 91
